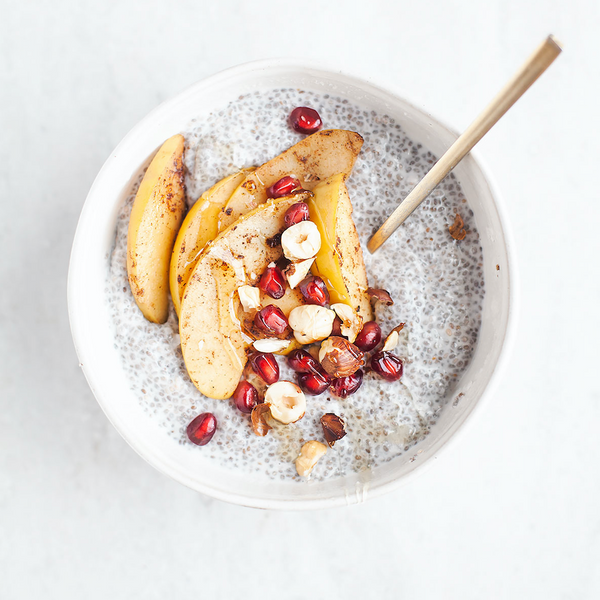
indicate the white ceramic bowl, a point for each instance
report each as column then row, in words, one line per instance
column 91, row 324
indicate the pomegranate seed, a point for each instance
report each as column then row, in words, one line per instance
column 284, row 187
column 302, row 362
column 369, row 336
column 271, row 320
column 387, row 365
column 344, row 386
column 313, row 383
column 272, row 282
column 202, row 428
column 314, row 290
column 245, row 397
column 305, row 120
column 296, row 213
column 266, row 366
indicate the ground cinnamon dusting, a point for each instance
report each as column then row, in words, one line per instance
column 457, row 229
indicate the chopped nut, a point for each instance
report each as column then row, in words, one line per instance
column 249, row 297
column 287, row 402
column 334, row 428
column 339, row 357
column 351, row 321
column 380, row 295
column 297, row 271
column 311, row 323
column 301, row 241
column 259, row 421
column 457, row 229
column 391, row 341
column 258, row 382
column 271, row 345
column 310, row 453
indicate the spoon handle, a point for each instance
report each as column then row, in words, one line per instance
column 535, row 65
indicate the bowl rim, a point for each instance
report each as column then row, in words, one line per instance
column 315, row 503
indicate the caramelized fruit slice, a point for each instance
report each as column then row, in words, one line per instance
column 199, row 227
column 311, row 160
column 212, row 341
column 339, row 262
column 155, row 219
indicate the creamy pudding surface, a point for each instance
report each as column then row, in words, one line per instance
column 436, row 283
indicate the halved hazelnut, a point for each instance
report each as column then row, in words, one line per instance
column 311, row 323
column 286, row 401
column 339, row 357
column 301, row 241
column 351, row 321
column 334, row 428
column 310, row 453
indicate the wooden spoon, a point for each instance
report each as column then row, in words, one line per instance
column 537, row 63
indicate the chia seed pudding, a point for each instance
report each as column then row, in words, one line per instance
column 436, row 283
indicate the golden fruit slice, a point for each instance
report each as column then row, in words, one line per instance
column 156, row 215
column 339, row 262
column 212, row 341
column 311, row 160
column 199, row 227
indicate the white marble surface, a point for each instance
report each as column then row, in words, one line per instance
column 512, row 511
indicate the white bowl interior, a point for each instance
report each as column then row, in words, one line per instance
column 91, row 323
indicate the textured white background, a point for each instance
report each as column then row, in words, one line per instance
column 512, row 511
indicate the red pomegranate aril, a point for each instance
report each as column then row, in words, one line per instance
column 369, row 336
column 302, row 362
column 271, row 320
column 202, row 428
column 305, row 120
column 342, row 387
column 272, row 282
column 265, row 366
column 314, row 290
column 296, row 214
column 283, row 187
column 245, row 397
column 313, row 383
column 387, row 365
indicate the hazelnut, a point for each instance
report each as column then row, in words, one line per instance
column 339, row 357
column 310, row 453
column 391, row 341
column 259, row 421
column 271, row 345
column 334, row 428
column 380, row 295
column 249, row 297
column 301, row 241
column 297, row 271
column 311, row 323
column 351, row 321
column 287, row 402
